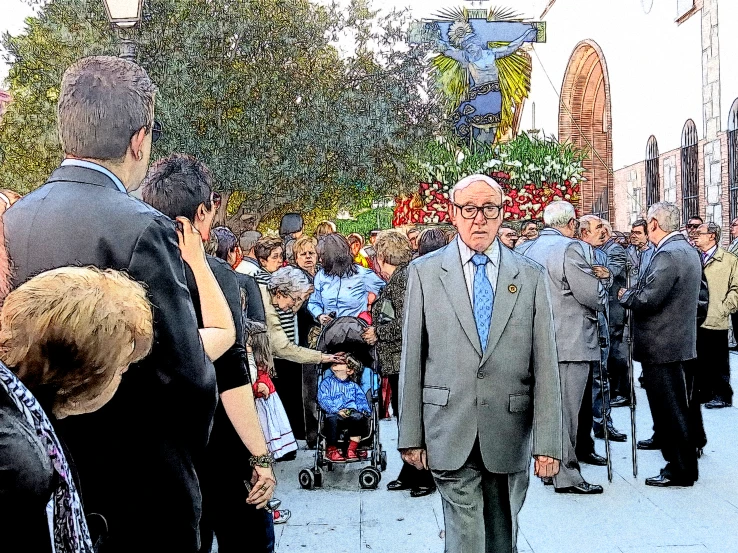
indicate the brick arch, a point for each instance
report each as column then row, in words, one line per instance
column 585, row 120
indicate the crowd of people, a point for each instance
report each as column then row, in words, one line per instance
column 154, row 366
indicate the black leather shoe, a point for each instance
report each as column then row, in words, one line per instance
column 648, row 444
column 612, row 434
column 547, row 481
column 397, row 486
column 663, row 481
column 717, row 404
column 619, row 401
column 593, row 459
column 421, row 491
column 585, row 488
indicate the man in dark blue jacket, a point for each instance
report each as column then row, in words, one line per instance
column 664, row 306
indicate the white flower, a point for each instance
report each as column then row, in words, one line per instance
column 460, row 157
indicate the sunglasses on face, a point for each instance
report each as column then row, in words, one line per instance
column 693, row 226
column 157, row 131
column 215, row 200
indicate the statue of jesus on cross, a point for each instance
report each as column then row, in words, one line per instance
column 477, row 50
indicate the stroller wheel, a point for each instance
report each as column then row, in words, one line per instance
column 369, row 478
column 307, row 480
column 383, row 461
column 318, row 478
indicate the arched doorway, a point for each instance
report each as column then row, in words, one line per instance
column 585, row 121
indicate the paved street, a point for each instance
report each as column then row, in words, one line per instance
column 628, row 518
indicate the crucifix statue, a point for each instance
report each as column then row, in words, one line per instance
column 472, row 46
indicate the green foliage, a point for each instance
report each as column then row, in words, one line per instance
column 255, row 89
column 367, row 221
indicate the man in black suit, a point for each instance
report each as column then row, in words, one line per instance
column 181, row 187
column 617, row 363
column 664, row 306
column 135, row 456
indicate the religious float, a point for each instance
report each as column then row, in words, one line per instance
column 533, row 171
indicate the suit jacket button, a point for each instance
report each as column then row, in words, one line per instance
column 480, row 374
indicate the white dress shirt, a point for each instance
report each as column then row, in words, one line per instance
column 95, row 167
column 665, row 238
column 493, row 266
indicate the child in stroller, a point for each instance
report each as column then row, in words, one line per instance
column 346, row 409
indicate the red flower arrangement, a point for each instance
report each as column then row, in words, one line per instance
column 431, row 204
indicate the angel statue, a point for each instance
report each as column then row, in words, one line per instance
column 480, row 113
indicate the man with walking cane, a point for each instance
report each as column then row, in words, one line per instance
column 576, row 297
column 667, row 298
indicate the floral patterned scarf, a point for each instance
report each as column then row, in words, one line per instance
column 71, row 534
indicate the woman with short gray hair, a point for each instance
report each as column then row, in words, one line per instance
column 287, row 289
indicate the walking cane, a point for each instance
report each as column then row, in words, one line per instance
column 633, row 442
column 604, row 424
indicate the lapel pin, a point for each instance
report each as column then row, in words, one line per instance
column 512, row 288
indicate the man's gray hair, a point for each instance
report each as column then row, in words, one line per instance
column 289, row 281
column 558, row 214
column 607, row 226
column 103, row 102
column 248, row 240
column 666, row 214
column 471, row 179
column 585, row 222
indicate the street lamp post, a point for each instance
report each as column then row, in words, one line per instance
column 124, row 14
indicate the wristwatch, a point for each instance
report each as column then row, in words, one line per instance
column 263, row 461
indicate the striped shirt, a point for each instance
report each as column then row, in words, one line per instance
column 335, row 394
column 287, row 319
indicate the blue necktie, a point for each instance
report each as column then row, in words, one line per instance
column 484, row 297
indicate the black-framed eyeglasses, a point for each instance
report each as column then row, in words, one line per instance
column 490, row 211
column 157, row 131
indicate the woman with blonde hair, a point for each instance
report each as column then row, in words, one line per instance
column 324, row 228
column 66, row 338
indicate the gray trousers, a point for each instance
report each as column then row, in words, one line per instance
column 480, row 508
column 573, row 385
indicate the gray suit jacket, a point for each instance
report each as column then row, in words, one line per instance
column 576, row 295
column 665, row 303
column 451, row 392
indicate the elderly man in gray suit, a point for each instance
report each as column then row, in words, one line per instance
column 479, row 382
column 576, row 298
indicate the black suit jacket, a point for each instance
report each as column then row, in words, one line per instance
column 616, row 262
column 135, row 456
column 665, row 304
column 254, row 303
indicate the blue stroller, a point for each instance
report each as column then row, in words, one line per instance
column 344, row 335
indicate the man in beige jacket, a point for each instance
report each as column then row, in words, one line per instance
column 721, row 272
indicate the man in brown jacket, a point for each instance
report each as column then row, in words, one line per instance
column 721, row 271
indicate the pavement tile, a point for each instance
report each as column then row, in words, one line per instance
column 629, row 517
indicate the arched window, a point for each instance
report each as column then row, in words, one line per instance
column 733, row 159
column 690, row 171
column 652, row 172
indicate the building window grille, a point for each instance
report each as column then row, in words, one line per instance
column 733, row 160
column 601, row 207
column 653, row 179
column 690, row 171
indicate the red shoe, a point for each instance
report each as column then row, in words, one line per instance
column 353, row 454
column 334, row 454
